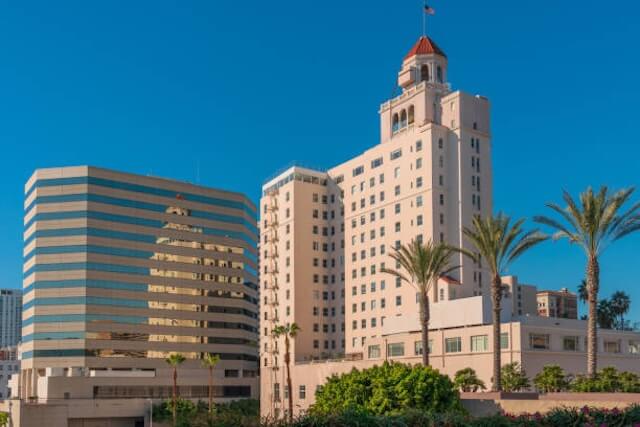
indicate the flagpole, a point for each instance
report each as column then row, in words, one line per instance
column 424, row 20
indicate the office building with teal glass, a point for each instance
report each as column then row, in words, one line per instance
column 122, row 270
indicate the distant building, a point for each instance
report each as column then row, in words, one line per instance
column 9, row 365
column 10, row 317
column 562, row 304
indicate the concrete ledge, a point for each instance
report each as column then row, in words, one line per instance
column 499, row 395
column 593, row 397
column 481, row 404
column 564, row 396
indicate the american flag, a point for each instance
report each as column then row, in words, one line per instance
column 429, row 10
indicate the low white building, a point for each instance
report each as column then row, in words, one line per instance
column 9, row 365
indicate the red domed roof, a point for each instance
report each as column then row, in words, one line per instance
column 425, row 46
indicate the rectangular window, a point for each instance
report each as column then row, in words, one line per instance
column 374, row 351
column 504, row 340
column 358, row 171
column 634, row 347
column 398, row 300
column 303, row 392
column 453, row 345
column 417, row 347
column 395, row 349
column 396, row 154
column 480, row 343
column 570, row 343
column 539, row 341
column 418, row 145
column 377, row 162
column 419, row 182
column 612, row 346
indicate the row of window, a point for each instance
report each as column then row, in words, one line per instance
column 327, row 327
column 403, row 119
column 138, row 320
column 477, row 343
column 135, row 287
column 572, row 343
column 137, row 188
column 165, row 256
column 136, row 204
column 135, row 270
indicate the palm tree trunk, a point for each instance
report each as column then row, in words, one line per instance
column 593, row 285
column 210, row 390
column 287, row 360
column 175, row 393
column 425, row 314
column 496, row 295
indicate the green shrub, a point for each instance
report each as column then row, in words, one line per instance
column 4, row 419
column 467, row 380
column 514, row 378
column 608, row 380
column 629, row 382
column 386, row 389
column 551, row 379
column 245, row 413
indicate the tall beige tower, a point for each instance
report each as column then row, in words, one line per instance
column 327, row 236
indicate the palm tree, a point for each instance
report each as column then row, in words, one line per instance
column 583, row 295
column 423, row 265
column 288, row 331
column 499, row 242
column 210, row 361
column 606, row 315
column 620, row 303
column 174, row 361
column 593, row 224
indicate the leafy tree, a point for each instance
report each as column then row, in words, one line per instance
column 467, row 380
column 4, row 419
column 551, row 379
column 499, row 242
column 593, row 224
column 210, row 361
column 174, row 361
column 386, row 389
column 423, row 265
column 514, row 377
column 289, row 332
column 620, row 304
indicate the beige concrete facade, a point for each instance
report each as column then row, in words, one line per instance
column 326, row 238
column 326, row 235
column 532, row 341
column 122, row 270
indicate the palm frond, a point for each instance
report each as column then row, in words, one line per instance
column 596, row 221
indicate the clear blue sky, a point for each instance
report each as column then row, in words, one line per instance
column 155, row 86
